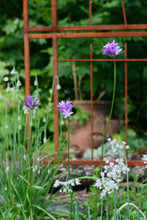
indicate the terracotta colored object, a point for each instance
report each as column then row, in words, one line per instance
column 81, row 134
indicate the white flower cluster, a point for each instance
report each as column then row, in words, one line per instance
column 111, row 176
column 66, row 186
column 117, row 147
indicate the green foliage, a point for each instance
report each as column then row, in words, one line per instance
column 122, row 195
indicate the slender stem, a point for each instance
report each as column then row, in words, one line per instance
column 127, row 187
column 68, row 143
column 69, row 173
column 114, row 87
column 30, row 161
column 115, row 202
column 101, row 210
column 107, row 206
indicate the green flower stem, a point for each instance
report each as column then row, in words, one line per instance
column 114, row 87
column 69, row 173
column 30, row 160
column 68, row 143
column 127, row 188
column 115, row 202
column 107, row 216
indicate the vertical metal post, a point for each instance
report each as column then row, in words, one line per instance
column 26, row 47
column 55, row 93
column 90, row 11
column 54, row 13
column 126, row 97
column 91, row 97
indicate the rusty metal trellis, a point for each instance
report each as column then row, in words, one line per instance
column 83, row 32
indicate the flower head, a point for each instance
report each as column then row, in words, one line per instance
column 65, row 108
column 112, row 49
column 31, row 104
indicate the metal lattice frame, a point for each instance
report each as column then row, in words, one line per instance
column 83, row 32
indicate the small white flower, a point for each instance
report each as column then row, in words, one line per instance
column 58, row 87
column 35, row 83
column 13, row 71
column 34, row 170
column 57, row 183
column 5, row 188
column 62, row 122
column 98, row 183
column 18, row 84
column 113, row 141
column 106, row 161
column 127, row 147
column 44, row 119
column 72, row 183
column 20, row 127
column 108, row 139
column 102, row 174
column 111, row 164
column 78, row 182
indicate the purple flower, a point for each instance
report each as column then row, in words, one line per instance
column 112, row 49
column 65, row 108
column 31, row 104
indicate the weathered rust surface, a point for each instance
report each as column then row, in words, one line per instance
column 91, row 97
column 26, row 47
column 96, row 162
column 89, row 35
column 103, row 60
column 139, row 30
column 89, row 28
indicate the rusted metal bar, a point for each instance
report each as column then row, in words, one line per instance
column 103, row 60
column 54, row 13
column 90, row 11
column 91, row 98
column 26, row 48
column 89, row 35
column 55, row 93
column 126, row 97
column 96, row 162
column 90, row 28
column 124, row 12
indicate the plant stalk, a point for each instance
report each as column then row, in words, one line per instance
column 114, row 88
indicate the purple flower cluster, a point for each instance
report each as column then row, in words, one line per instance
column 112, row 49
column 31, row 104
column 65, row 108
